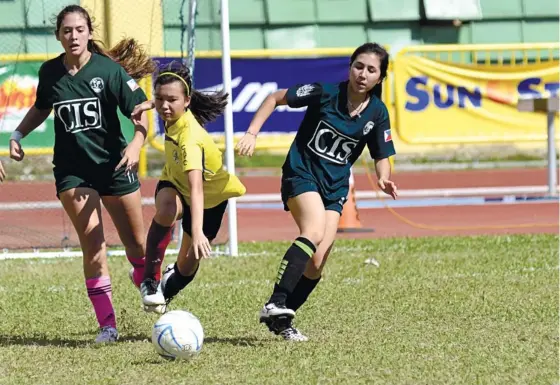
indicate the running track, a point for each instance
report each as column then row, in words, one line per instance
column 46, row 228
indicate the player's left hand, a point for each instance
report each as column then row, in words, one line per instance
column 130, row 159
column 2, row 173
column 136, row 115
column 388, row 187
column 246, row 145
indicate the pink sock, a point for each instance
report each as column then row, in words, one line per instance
column 100, row 295
column 138, row 264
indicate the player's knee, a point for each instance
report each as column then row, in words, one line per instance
column 166, row 213
column 317, row 263
column 314, row 235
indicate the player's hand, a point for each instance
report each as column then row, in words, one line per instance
column 388, row 187
column 2, row 173
column 246, row 145
column 139, row 109
column 16, row 152
column 201, row 245
column 130, row 159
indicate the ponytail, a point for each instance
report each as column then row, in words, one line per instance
column 129, row 54
column 206, row 107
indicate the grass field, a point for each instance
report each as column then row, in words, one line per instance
column 472, row 310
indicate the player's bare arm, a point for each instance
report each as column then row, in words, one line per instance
column 246, row 145
column 383, row 171
column 31, row 121
column 200, row 244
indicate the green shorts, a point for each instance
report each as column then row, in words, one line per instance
column 294, row 186
column 106, row 181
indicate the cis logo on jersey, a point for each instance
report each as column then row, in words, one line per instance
column 387, row 135
column 368, row 127
column 79, row 114
column 96, row 84
column 330, row 144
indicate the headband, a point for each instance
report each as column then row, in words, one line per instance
column 178, row 77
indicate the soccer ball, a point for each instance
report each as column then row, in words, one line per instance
column 177, row 335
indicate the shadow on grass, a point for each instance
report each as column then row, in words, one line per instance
column 83, row 340
column 237, row 341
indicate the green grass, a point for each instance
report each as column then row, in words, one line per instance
column 261, row 159
column 273, row 160
column 466, row 158
column 472, row 310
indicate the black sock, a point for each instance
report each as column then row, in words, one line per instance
column 303, row 289
column 177, row 282
column 291, row 269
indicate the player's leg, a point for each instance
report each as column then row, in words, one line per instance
column 83, row 206
column 172, row 281
column 169, row 208
column 308, row 212
column 310, row 277
column 314, row 268
column 120, row 192
column 177, row 276
column 126, row 213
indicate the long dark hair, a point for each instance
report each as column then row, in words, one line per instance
column 127, row 52
column 205, row 107
column 383, row 58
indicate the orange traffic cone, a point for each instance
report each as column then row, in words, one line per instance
column 350, row 220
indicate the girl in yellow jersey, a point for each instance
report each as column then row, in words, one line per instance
column 193, row 185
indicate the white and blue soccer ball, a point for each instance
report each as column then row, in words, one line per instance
column 177, row 334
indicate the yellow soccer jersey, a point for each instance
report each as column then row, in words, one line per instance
column 188, row 146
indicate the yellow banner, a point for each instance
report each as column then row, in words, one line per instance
column 440, row 102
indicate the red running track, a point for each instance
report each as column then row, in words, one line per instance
column 46, row 228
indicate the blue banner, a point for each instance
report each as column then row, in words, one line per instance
column 254, row 79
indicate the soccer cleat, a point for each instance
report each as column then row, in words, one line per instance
column 152, row 296
column 292, row 334
column 278, row 319
column 107, row 334
column 273, row 316
column 271, row 312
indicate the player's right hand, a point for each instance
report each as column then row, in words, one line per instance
column 2, row 173
column 139, row 109
column 16, row 152
column 246, row 145
column 201, row 245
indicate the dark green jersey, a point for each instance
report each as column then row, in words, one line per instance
column 87, row 127
column 329, row 141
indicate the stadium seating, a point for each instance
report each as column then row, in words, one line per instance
column 257, row 24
